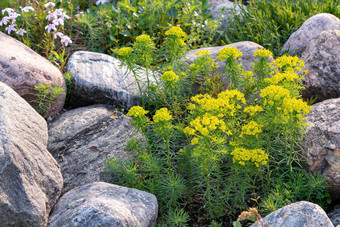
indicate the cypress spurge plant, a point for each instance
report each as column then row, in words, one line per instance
column 226, row 143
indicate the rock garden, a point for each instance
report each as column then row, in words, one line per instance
column 169, row 113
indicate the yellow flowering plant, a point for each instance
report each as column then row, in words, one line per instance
column 226, row 141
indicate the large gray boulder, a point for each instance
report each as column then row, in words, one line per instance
column 322, row 142
column 247, row 48
column 300, row 214
column 101, row 79
column 22, row 69
column 322, row 60
column 105, row 205
column 30, row 178
column 310, row 29
column 81, row 140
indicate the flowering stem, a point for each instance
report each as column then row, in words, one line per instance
column 168, row 151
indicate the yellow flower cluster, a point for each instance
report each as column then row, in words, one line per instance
column 263, row 53
column 273, row 93
column 203, row 52
column 226, row 102
column 125, row 51
column 143, row 39
column 169, row 76
column 228, row 52
column 137, row 111
column 162, row 114
column 252, row 110
column 177, row 32
column 288, row 76
column 252, row 128
column 289, row 62
column 242, row 155
column 205, row 125
column 296, row 107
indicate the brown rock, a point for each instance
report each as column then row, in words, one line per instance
column 310, row 29
column 22, row 69
column 322, row 60
column 322, row 142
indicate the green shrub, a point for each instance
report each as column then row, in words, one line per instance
column 271, row 22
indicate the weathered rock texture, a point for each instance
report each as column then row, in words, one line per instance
column 22, row 69
column 300, row 214
column 334, row 216
column 30, row 178
column 322, row 60
column 82, row 139
column 310, row 29
column 105, row 205
column 246, row 47
column 322, row 142
column 100, row 79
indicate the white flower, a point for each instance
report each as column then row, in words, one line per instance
column 27, row 9
column 9, row 10
column 49, row 4
column 66, row 40
column 58, row 34
column 21, row 31
column 11, row 28
column 101, row 2
column 49, row 27
column 4, row 21
column 51, row 16
column 58, row 21
column 13, row 15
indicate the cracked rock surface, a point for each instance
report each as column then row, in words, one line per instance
column 81, row 140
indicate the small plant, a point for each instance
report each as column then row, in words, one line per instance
column 45, row 95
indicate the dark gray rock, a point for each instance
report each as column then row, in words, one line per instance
column 105, row 205
column 309, row 30
column 22, row 69
column 30, row 178
column 334, row 216
column 82, row 139
column 300, row 214
column 100, row 79
column 322, row 60
column 322, row 142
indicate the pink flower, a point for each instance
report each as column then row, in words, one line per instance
column 4, row 21
column 13, row 15
column 101, row 2
column 49, row 27
column 58, row 34
column 26, row 9
column 11, row 28
column 21, row 31
column 8, row 10
column 51, row 16
column 66, row 40
column 58, row 21
column 49, row 4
